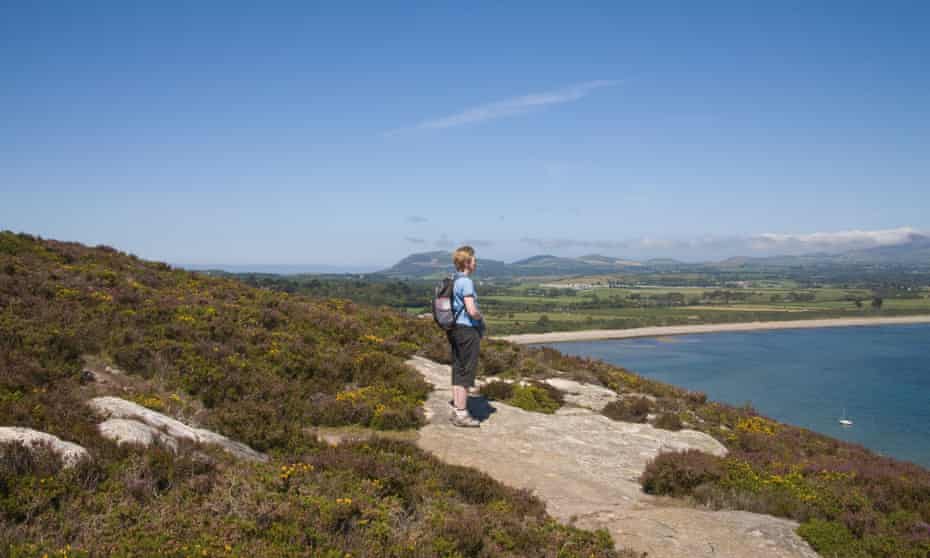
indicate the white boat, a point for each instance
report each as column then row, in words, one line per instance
column 845, row 421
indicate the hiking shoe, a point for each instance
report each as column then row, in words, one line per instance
column 463, row 419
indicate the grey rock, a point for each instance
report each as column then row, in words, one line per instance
column 585, row 467
column 170, row 428
column 129, row 431
column 69, row 452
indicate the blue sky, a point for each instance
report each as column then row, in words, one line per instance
column 354, row 133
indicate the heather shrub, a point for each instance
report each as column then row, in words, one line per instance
column 632, row 409
column 16, row 459
column 696, row 397
column 497, row 358
column 497, row 391
column 553, row 392
column 668, row 421
column 679, row 473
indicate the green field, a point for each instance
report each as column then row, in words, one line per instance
column 539, row 305
column 529, row 307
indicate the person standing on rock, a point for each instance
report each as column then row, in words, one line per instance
column 465, row 337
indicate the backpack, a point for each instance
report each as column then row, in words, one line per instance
column 442, row 304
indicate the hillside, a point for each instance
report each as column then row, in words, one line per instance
column 274, row 371
column 258, row 366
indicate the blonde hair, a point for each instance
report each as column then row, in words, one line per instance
column 461, row 257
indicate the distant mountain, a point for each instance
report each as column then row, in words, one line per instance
column 914, row 252
column 435, row 264
column 597, row 259
column 438, row 263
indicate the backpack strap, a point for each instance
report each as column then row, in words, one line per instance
column 455, row 320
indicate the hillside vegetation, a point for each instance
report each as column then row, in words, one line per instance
column 263, row 366
column 255, row 365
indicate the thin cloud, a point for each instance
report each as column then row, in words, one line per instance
column 447, row 243
column 841, row 240
column 443, row 242
column 416, row 219
column 510, row 107
column 414, row 240
column 567, row 243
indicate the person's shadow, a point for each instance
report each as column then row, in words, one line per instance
column 480, row 407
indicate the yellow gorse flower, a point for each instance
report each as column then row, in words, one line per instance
column 288, row 471
column 757, row 424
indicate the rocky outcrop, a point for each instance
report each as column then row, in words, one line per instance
column 129, row 431
column 129, row 422
column 69, row 452
column 586, row 468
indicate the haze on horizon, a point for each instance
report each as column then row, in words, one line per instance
column 317, row 133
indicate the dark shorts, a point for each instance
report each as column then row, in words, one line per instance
column 466, row 343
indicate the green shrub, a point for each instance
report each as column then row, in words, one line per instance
column 533, row 398
column 831, row 539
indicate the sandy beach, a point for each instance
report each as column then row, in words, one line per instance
column 662, row 331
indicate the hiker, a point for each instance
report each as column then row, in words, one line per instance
column 465, row 337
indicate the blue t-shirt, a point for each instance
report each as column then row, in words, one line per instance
column 463, row 287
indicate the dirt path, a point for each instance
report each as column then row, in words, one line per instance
column 661, row 331
column 585, row 466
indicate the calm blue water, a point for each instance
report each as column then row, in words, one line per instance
column 880, row 375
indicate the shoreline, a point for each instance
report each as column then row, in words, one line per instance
column 663, row 331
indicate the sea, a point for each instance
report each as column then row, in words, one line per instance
column 876, row 376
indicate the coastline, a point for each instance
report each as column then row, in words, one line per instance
column 663, row 331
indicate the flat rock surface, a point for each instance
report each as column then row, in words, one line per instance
column 585, row 467
column 168, row 428
column 69, row 452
